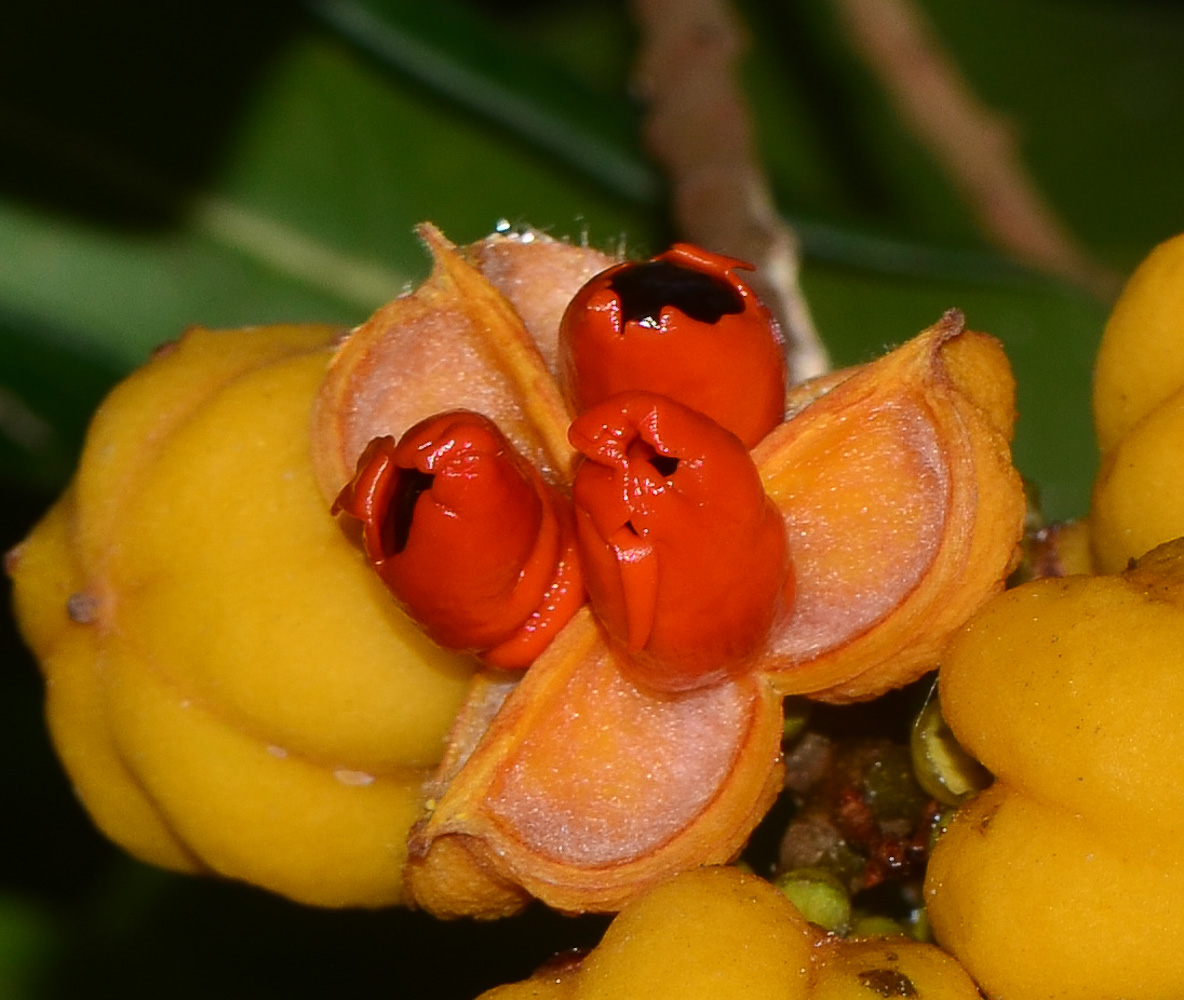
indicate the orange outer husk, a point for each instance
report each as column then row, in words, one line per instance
column 899, row 534
column 585, row 815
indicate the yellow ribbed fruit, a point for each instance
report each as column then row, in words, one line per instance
column 230, row 687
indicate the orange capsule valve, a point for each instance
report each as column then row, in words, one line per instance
column 684, row 554
column 471, row 541
column 684, row 325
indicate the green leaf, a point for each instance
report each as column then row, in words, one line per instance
column 27, row 937
column 42, row 426
column 1050, row 333
column 514, row 87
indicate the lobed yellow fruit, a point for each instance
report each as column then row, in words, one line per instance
column 706, row 933
column 1060, row 879
column 1138, row 500
column 1140, row 360
column 718, row 932
column 556, row 985
column 1071, row 690
column 888, row 967
column 1139, row 413
column 229, row 686
column 1037, row 904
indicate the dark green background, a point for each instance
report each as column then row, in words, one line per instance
column 228, row 163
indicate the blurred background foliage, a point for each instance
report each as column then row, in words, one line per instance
column 233, row 162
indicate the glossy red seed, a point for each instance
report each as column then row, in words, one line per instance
column 471, row 541
column 684, row 555
column 685, row 325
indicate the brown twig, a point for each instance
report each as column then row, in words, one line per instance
column 698, row 128
column 973, row 144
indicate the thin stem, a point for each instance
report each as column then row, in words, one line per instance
column 699, row 129
column 972, row 143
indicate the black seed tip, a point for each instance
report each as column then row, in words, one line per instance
column 665, row 464
column 410, row 485
column 644, row 289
